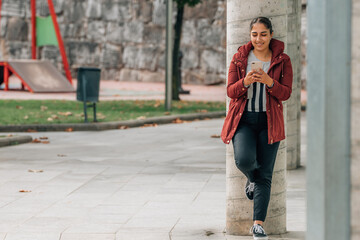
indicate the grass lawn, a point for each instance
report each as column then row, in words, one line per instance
column 15, row 112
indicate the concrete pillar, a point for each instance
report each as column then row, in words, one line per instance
column 294, row 103
column 328, row 119
column 355, row 123
column 239, row 209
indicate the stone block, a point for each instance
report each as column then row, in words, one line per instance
column 73, row 30
column 114, row 33
column 83, row 54
column 111, row 56
column 51, row 53
column 19, row 30
column 17, row 50
column 146, row 11
column 154, row 34
column 93, row 9
column 207, row 34
column 140, row 57
column 188, row 35
column 147, row 76
column 96, row 31
column 207, row 9
column 190, row 58
column 133, row 31
column 213, row 79
column 115, row 11
column 192, row 77
column 277, row 204
column 75, row 11
column 3, row 27
column 212, row 61
column 159, row 13
column 42, row 8
column 14, row 8
column 110, row 74
column 129, row 75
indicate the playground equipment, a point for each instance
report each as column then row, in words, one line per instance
column 39, row 75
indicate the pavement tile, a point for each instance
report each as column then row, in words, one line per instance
column 33, row 235
column 143, row 233
column 94, row 228
column 77, row 236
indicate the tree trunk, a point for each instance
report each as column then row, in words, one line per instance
column 176, row 49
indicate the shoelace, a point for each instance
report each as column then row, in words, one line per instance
column 257, row 229
column 251, row 187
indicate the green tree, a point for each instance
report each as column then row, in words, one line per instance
column 177, row 39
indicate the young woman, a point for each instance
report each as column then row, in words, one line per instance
column 255, row 121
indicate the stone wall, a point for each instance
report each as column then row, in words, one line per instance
column 125, row 38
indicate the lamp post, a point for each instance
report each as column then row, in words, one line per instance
column 168, row 73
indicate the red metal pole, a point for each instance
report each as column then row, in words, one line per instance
column 60, row 41
column 33, row 29
column 6, row 76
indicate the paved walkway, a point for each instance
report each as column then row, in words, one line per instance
column 116, row 90
column 155, row 183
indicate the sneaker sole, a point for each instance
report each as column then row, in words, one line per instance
column 261, row 238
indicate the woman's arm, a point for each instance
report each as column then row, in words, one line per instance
column 282, row 89
column 235, row 86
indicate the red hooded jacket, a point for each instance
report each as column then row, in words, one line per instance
column 280, row 71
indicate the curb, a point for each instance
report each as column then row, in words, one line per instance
column 109, row 125
column 14, row 140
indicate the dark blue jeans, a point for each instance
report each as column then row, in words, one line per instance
column 256, row 158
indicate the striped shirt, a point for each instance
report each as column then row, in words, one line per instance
column 256, row 92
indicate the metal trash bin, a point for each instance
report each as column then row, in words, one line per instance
column 88, row 86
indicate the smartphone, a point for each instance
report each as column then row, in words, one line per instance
column 256, row 65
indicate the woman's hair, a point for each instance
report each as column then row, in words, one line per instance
column 263, row 20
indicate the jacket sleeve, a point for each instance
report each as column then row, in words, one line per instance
column 235, row 86
column 282, row 89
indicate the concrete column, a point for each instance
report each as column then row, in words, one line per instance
column 239, row 209
column 328, row 119
column 293, row 104
column 355, row 123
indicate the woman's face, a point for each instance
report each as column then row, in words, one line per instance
column 260, row 37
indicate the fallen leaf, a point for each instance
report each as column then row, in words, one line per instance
column 36, row 141
column 22, row 190
column 43, row 108
column 157, row 104
column 54, row 116
column 123, row 127
column 26, row 117
column 215, row 136
column 31, row 130
column 45, row 142
column 50, row 119
column 141, row 118
column 65, row 113
column 167, row 113
column 69, row 130
column 150, row 125
column 43, row 138
column 19, row 107
column 9, row 135
column 208, row 233
column 61, row 155
column 35, row 171
column 177, row 120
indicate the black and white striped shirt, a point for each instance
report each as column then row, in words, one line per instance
column 256, row 92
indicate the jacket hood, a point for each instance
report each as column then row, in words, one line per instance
column 276, row 46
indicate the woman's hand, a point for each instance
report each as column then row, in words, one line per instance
column 249, row 79
column 262, row 77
